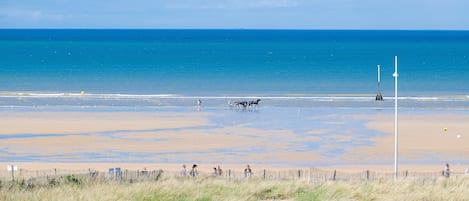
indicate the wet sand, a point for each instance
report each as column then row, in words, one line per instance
column 86, row 122
column 165, row 140
column 420, row 136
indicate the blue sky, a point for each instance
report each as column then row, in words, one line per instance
column 235, row 14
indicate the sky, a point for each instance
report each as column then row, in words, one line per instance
column 237, row 14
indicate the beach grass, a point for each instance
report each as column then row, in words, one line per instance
column 210, row 188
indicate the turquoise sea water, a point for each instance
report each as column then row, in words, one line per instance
column 298, row 74
column 233, row 63
column 213, row 62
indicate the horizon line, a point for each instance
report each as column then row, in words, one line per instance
column 215, row 29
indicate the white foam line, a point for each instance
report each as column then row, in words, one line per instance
column 175, row 96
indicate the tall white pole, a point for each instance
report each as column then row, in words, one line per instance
column 396, row 142
column 379, row 74
column 379, row 97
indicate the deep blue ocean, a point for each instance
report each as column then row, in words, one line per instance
column 233, row 63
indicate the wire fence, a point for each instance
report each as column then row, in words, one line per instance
column 313, row 176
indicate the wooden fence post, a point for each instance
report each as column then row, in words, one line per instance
column 264, row 173
column 299, row 174
column 367, row 174
column 334, row 175
column 12, row 174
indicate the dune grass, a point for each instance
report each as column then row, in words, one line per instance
column 209, row 188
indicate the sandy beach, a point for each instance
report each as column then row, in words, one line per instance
column 421, row 135
column 86, row 122
column 82, row 140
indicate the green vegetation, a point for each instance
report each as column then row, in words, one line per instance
column 72, row 187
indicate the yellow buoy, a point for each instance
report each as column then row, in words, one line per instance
column 445, row 129
column 82, row 92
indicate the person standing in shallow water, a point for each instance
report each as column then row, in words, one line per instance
column 199, row 104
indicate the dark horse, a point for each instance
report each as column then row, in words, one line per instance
column 254, row 103
column 238, row 104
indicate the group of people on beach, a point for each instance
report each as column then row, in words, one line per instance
column 217, row 171
column 446, row 172
column 193, row 173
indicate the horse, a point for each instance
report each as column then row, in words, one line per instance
column 254, row 103
column 238, row 104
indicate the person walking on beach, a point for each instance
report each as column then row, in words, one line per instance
column 247, row 171
column 215, row 171
column 194, row 172
column 183, row 172
column 446, row 171
column 220, row 171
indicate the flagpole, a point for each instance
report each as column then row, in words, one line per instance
column 396, row 142
column 379, row 96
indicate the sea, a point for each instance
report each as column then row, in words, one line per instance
column 295, row 73
column 139, row 67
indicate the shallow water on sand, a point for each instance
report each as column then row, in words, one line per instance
column 267, row 135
